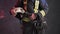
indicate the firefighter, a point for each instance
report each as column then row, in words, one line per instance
column 33, row 7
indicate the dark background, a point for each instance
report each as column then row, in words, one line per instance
column 53, row 17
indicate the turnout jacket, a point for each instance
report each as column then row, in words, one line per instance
column 31, row 4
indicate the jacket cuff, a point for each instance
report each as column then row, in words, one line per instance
column 43, row 13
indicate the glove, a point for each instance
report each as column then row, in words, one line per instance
column 32, row 17
column 44, row 23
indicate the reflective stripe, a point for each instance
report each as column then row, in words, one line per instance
column 26, row 19
column 36, row 6
column 35, row 11
column 42, row 12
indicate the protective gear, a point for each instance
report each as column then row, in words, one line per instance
column 19, row 10
column 42, row 24
column 43, row 13
column 26, row 20
column 36, row 6
column 33, row 16
column 39, row 5
column 16, row 10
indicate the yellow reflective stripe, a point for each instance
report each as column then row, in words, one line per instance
column 42, row 12
column 35, row 11
column 26, row 19
column 36, row 6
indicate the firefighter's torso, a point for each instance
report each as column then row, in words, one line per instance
column 34, row 3
column 28, row 6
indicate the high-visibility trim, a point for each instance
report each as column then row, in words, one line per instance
column 26, row 19
column 35, row 11
column 43, row 12
column 36, row 6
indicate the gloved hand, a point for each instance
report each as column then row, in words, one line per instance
column 44, row 23
column 33, row 16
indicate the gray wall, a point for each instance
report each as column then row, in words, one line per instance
column 53, row 17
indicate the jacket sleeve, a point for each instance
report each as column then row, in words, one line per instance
column 44, row 6
column 30, row 6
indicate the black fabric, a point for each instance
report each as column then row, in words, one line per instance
column 27, row 28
